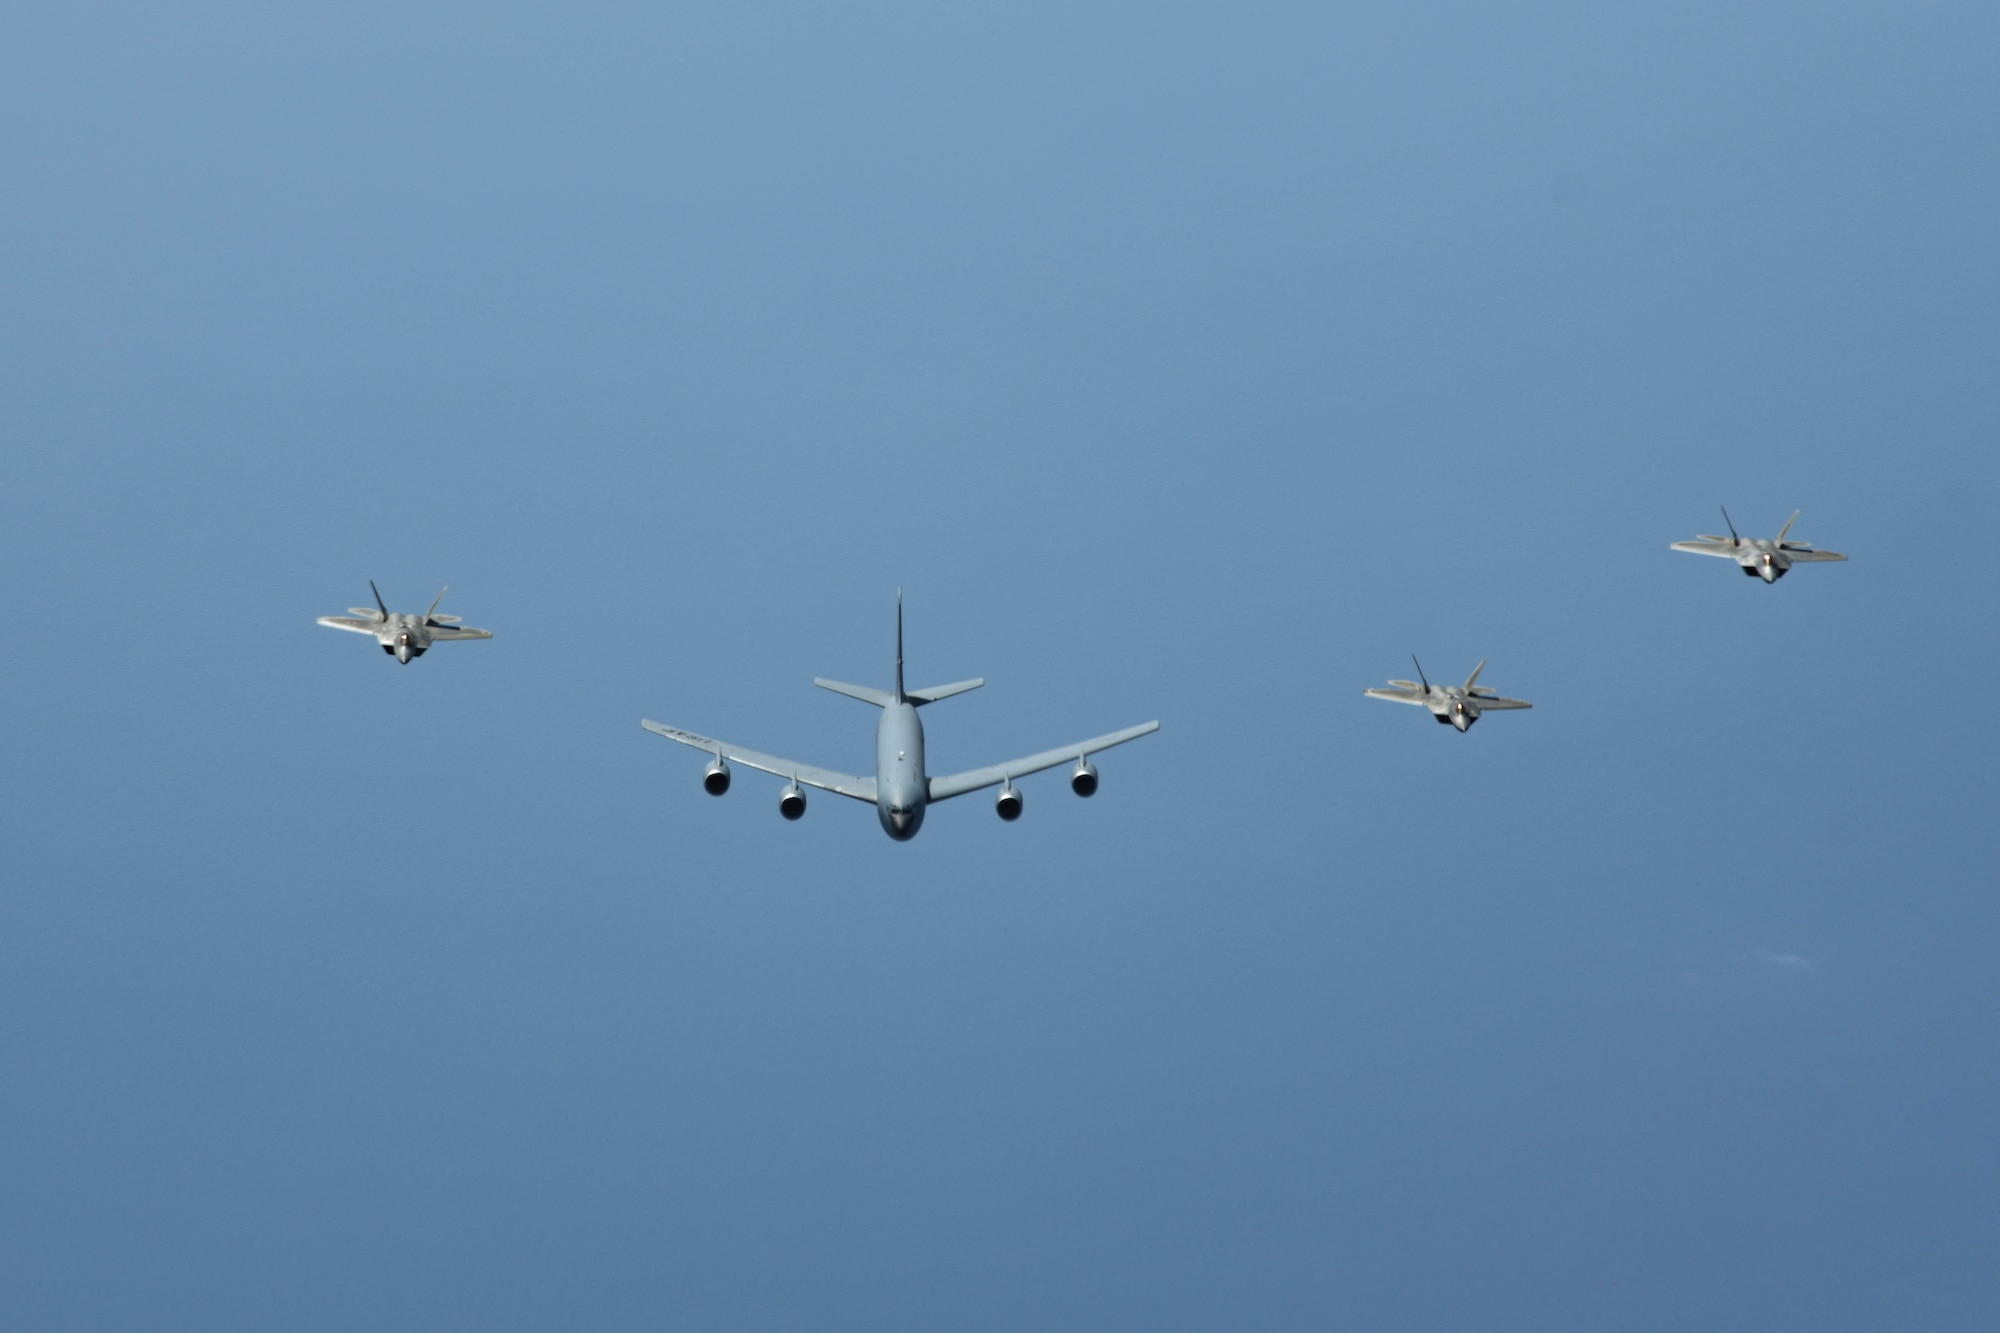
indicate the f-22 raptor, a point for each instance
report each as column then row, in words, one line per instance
column 901, row 788
column 1451, row 705
column 403, row 637
column 1766, row 558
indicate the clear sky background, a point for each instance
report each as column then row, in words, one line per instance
column 1190, row 362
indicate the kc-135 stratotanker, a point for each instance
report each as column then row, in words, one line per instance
column 901, row 789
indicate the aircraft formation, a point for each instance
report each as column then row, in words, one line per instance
column 902, row 788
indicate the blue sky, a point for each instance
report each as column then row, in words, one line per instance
column 1179, row 361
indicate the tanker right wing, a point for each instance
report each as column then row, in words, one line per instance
column 841, row 784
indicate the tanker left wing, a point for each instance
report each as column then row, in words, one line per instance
column 957, row 784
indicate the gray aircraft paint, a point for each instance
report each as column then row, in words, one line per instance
column 1766, row 558
column 1453, row 705
column 899, row 771
column 901, row 789
column 403, row 637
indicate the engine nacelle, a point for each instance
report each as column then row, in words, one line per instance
column 715, row 778
column 792, row 805
column 1008, row 803
column 1083, row 778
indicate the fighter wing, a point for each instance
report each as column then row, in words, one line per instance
column 1710, row 546
column 439, row 633
column 1398, row 696
column 1488, row 705
column 352, row 623
column 861, row 789
column 1808, row 557
column 957, row 784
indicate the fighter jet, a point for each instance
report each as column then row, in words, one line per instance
column 403, row 637
column 1766, row 558
column 901, row 789
column 1452, row 705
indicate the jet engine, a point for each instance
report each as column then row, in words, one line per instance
column 715, row 778
column 792, row 804
column 1008, row 803
column 1083, row 778
column 1768, row 568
